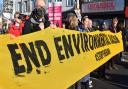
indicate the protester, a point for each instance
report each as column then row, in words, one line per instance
column 90, row 26
column 71, row 22
column 17, row 27
column 85, row 23
column 122, row 28
column 24, row 17
column 102, row 69
column 86, row 27
column 38, row 19
column 113, row 28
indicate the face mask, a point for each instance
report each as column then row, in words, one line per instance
column 38, row 14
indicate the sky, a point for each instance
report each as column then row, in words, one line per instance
column 1, row 1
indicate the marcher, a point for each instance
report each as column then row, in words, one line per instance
column 38, row 19
column 113, row 28
column 17, row 27
column 86, row 27
column 122, row 28
column 71, row 23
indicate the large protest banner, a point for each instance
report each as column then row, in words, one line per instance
column 5, row 38
column 54, row 58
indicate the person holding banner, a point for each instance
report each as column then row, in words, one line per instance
column 86, row 27
column 71, row 23
column 17, row 27
column 38, row 19
column 113, row 28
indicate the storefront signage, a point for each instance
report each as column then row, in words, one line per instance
column 104, row 6
column 126, row 12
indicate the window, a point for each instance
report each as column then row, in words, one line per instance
column 33, row 4
column 25, row 6
column 70, row 2
column 19, row 7
column 49, row 0
column 58, row 0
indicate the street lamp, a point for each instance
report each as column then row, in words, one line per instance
column 77, row 10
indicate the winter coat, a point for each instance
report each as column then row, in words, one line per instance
column 32, row 26
column 16, row 31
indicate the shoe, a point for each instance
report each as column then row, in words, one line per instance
column 106, row 77
column 110, row 68
column 90, row 84
column 114, row 67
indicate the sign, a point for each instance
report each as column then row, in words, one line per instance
column 54, row 58
column 58, row 14
column 55, row 13
column 103, row 6
column 50, row 12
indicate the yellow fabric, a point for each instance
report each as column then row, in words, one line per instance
column 61, row 57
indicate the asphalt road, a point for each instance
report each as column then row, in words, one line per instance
column 118, row 78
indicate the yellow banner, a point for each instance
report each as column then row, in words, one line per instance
column 4, row 38
column 54, row 58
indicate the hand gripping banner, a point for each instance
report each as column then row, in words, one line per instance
column 54, row 58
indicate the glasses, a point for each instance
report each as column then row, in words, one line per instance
column 19, row 17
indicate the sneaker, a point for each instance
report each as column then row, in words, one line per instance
column 90, row 84
column 110, row 68
column 114, row 67
column 106, row 77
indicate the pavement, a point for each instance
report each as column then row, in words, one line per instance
column 118, row 78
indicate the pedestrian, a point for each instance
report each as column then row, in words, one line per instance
column 38, row 19
column 17, row 27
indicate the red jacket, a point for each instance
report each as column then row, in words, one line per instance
column 15, row 30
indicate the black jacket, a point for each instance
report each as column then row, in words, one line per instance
column 30, row 27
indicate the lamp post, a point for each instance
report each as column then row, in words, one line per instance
column 77, row 4
column 77, row 10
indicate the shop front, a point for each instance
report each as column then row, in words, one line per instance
column 104, row 10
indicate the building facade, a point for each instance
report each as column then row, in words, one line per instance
column 104, row 10
column 26, row 6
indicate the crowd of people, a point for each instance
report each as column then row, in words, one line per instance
column 38, row 20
